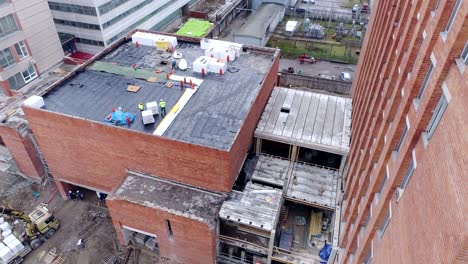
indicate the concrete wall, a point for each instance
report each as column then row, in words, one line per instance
column 39, row 30
column 192, row 242
column 428, row 224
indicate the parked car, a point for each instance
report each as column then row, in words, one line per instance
column 345, row 76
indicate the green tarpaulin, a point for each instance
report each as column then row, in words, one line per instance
column 195, row 28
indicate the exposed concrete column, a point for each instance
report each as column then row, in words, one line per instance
column 294, row 152
column 258, row 146
column 271, row 244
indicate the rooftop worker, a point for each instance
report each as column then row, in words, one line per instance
column 162, row 106
column 79, row 195
column 71, row 195
column 140, row 106
column 173, row 64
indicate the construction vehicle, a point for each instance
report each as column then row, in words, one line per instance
column 304, row 58
column 40, row 225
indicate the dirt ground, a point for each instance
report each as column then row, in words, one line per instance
column 88, row 220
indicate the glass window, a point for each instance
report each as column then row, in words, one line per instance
column 16, row 81
column 6, row 58
column 426, row 81
column 29, row 74
column 453, row 15
column 7, row 25
column 21, row 50
column 464, row 55
column 77, row 9
column 436, row 116
column 402, row 138
column 409, row 173
column 386, row 221
column 76, row 24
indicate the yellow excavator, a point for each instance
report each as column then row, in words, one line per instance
column 40, row 224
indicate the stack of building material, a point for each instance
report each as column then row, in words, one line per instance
column 161, row 42
column 315, row 226
column 206, row 64
column 153, row 106
column 221, row 53
column 208, row 44
column 34, row 101
column 147, row 117
column 10, row 246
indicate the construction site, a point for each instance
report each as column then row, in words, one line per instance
column 182, row 150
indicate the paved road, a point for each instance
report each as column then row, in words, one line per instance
column 322, row 67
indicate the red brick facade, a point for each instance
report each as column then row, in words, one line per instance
column 427, row 225
column 23, row 152
column 192, row 242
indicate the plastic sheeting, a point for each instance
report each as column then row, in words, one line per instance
column 119, row 118
column 325, row 252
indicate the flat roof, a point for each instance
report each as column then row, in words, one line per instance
column 256, row 206
column 212, row 117
column 257, row 23
column 175, row 198
column 307, row 119
column 313, row 185
column 308, row 183
column 271, row 170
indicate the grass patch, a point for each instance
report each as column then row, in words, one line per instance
column 350, row 3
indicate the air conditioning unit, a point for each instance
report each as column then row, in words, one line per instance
column 398, row 193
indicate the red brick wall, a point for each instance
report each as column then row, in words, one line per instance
column 97, row 155
column 379, row 117
column 245, row 136
column 429, row 224
column 23, row 152
column 192, row 242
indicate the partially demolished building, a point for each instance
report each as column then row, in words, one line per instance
column 237, row 171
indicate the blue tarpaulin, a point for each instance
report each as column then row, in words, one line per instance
column 119, row 118
column 325, row 253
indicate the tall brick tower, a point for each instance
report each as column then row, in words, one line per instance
column 406, row 178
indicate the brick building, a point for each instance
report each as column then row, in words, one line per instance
column 29, row 43
column 167, row 179
column 406, row 186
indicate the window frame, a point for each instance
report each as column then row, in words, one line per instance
column 31, row 74
column 437, row 114
column 9, row 61
column 23, row 49
column 464, row 54
column 425, row 82
column 454, row 13
column 386, row 222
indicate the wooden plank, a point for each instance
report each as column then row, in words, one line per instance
column 310, row 120
column 302, row 115
column 329, row 121
column 152, row 79
column 275, row 111
column 133, row 88
column 293, row 114
column 320, row 119
column 339, row 122
column 267, row 110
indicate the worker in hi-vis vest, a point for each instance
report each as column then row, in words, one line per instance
column 140, row 106
column 162, row 106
